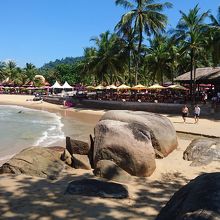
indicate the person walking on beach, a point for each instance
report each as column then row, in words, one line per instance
column 205, row 97
column 196, row 113
column 185, row 112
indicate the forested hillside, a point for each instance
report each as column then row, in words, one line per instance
column 67, row 60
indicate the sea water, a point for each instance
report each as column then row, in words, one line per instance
column 23, row 127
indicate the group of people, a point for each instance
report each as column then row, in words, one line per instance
column 185, row 113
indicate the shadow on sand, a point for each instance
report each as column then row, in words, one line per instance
column 35, row 198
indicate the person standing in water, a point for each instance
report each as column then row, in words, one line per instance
column 185, row 112
column 196, row 113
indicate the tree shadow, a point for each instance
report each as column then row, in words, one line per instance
column 37, row 198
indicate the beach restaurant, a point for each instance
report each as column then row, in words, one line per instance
column 209, row 76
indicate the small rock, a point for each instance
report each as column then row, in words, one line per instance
column 81, row 162
column 76, row 146
column 97, row 188
column 66, row 157
column 91, row 151
column 109, row 170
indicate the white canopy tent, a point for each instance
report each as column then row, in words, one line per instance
column 66, row 85
column 56, row 85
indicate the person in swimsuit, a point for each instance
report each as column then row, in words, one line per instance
column 196, row 113
column 185, row 112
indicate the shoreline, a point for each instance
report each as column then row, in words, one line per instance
column 20, row 100
column 206, row 127
column 89, row 117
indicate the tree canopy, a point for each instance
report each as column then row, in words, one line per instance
column 140, row 50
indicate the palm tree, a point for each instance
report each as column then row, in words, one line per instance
column 191, row 31
column 86, row 66
column 106, row 59
column 160, row 59
column 2, row 71
column 30, row 71
column 130, row 45
column 215, row 41
column 12, row 72
column 145, row 16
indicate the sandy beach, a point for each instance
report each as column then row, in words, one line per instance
column 24, row 197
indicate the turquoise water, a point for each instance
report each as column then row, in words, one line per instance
column 22, row 127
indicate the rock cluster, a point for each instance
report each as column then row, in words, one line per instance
column 125, row 144
column 133, row 139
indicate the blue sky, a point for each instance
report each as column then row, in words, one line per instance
column 39, row 31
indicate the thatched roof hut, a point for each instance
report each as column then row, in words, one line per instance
column 205, row 75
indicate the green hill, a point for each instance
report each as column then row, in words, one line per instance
column 67, row 60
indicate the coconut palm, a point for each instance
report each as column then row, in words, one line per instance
column 127, row 34
column 30, row 71
column 191, row 31
column 2, row 71
column 160, row 60
column 215, row 41
column 12, row 71
column 145, row 16
column 107, row 59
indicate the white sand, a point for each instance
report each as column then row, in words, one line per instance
column 24, row 197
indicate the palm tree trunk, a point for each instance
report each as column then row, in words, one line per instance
column 139, row 54
column 191, row 74
column 111, row 78
column 194, row 82
column 129, row 67
column 136, row 72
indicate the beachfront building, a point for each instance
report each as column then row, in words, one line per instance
column 208, row 76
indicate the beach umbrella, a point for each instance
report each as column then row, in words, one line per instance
column 156, row 86
column 139, row 87
column 111, row 87
column 99, row 87
column 177, row 87
column 66, row 85
column 56, row 85
column 123, row 86
column 90, row 87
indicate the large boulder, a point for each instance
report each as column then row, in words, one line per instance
column 97, row 188
column 77, row 147
column 198, row 200
column 109, row 170
column 202, row 151
column 162, row 132
column 126, row 144
column 35, row 161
